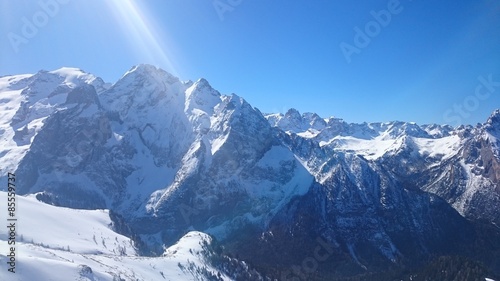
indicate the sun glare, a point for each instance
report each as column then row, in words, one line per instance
column 142, row 33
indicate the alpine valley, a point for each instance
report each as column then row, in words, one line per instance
column 154, row 178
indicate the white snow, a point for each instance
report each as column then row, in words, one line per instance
column 73, row 76
column 377, row 147
column 41, row 97
column 370, row 149
column 370, row 140
column 201, row 96
column 55, row 243
column 84, row 231
column 309, row 134
column 217, row 143
column 446, row 146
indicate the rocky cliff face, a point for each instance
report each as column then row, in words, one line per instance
column 459, row 165
column 169, row 157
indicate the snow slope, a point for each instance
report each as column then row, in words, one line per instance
column 370, row 140
column 55, row 243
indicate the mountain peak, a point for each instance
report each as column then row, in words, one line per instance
column 143, row 68
column 203, row 82
column 145, row 76
column 493, row 123
column 152, row 72
column 202, row 96
column 169, row 157
column 72, row 77
column 65, row 71
column 203, row 86
column 293, row 113
column 494, row 117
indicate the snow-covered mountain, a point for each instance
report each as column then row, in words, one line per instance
column 460, row 164
column 56, row 243
column 168, row 157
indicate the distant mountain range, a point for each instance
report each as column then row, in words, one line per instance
column 274, row 196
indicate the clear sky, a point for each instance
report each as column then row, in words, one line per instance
column 382, row 60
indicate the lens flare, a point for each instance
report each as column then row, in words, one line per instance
column 140, row 29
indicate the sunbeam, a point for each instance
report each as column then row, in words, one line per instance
column 142, row 33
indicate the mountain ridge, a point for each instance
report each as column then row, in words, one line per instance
column 171, row 157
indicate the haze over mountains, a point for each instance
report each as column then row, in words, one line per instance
column 284, row 195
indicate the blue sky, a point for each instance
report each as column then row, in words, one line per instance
column 421, row 61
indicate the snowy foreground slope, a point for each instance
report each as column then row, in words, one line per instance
column 168, row 157
column 56, row 243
